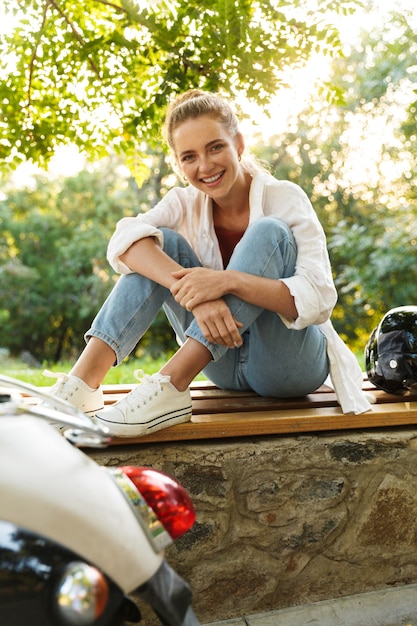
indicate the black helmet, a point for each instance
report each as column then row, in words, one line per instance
column 391, row 351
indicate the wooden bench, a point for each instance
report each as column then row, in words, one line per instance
column 221, row 414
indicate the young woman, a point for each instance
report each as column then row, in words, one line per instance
column 238, row 261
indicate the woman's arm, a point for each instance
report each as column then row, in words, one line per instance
column 267, row 293
column 146, row 257
column 168, row 213
column 196, row 285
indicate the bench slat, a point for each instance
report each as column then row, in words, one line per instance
column 209, row 399
column 255, row 423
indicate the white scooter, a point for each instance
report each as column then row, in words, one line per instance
column 77, row 538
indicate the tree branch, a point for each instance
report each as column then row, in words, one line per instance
column 113, row 6
column 34, row 56
column 77, row 35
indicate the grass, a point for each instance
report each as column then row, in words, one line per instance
column 123, row 374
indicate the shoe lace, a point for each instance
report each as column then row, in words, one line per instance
column 61, row 379
column 59, row 376
column 149, row 387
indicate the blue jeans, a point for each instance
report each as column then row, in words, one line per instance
column 273, row 360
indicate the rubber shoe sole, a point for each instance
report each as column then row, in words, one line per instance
column 139, row 429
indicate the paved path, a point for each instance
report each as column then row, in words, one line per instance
column 391, row 607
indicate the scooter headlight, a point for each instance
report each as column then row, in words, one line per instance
column 81, row 594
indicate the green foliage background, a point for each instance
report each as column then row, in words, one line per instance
column 54, row 272
column 130, row 61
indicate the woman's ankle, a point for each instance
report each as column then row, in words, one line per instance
column 180, row 384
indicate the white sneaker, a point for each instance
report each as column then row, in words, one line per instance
column 154, row 404
column 76, row 392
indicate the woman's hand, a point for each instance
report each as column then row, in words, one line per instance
column 217, row 323
column 196, row 285
column 200, row 290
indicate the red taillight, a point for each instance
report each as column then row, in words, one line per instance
column 167, row 498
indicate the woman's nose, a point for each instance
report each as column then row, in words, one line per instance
column 205, row 164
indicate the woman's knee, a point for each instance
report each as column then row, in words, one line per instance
column 267, row 248
column 172, row 239
column 270, row 229
column 178, row 248
column 271, row 235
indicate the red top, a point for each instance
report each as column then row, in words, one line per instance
column 228, row 240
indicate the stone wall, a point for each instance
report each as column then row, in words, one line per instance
column 288, row 520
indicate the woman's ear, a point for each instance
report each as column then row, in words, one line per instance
column 240, row 142
column 176, row 167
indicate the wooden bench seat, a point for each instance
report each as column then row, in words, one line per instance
column 221, row 414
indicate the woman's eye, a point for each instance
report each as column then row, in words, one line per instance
column 216, row 147
column 187, row 158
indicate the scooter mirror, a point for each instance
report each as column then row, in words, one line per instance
column 79, row 429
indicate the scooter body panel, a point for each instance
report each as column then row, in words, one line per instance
column 51, row 488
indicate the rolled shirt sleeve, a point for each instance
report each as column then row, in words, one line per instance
column 170, row 212
column 312, row 284
column 312, row 307
column 128, row 231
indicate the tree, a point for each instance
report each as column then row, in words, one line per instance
column 99, row 73
column 53, row 267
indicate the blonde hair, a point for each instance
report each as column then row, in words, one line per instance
column 193, row 104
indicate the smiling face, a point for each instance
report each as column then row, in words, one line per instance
column 208, row 156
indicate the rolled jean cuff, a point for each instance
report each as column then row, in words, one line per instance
column 108, row 340
column 216, row 351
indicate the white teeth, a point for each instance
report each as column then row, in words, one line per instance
column 212, row 179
